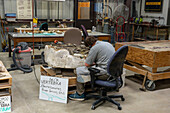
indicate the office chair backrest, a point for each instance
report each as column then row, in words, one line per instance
column 115, row 64
column 85, row 34
column 44, row 26
column 73, row 36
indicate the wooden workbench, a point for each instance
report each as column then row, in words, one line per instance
column 37, row 29
column 157, row 28
column 17, row 37
column 153, row 54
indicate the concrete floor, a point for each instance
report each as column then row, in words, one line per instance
column 25, row 94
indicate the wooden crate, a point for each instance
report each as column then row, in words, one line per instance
column 62, row 73
column 5, row 91
column 144, row 55
column 153, row 54
column 6, row 80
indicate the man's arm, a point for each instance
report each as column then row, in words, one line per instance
column 87, row 65
column 91, row 57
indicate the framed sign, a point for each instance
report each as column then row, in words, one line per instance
column 24, row 9
column 5, row 104
column 53, row 89
column 153, row 5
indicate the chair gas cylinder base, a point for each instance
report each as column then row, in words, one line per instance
column 103, row 97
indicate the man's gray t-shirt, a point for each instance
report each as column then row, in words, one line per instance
column 100, row 54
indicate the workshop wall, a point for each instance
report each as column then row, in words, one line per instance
column 45, row 9
column 57, row 10
column 7, row 6
column 1, row 9
column 169, row 14
column 164, row 12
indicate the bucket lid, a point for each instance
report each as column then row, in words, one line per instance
column 23, row 51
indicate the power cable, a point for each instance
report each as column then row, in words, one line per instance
column 33, row 41
column 35, row 73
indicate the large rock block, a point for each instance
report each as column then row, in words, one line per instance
column 61, row 58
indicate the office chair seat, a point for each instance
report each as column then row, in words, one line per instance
column 111, row 84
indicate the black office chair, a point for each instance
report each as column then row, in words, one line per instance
column 114, row 82
column 85, row 34
column 73, row 36
column 44, row 26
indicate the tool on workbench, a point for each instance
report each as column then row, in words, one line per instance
column 35, row 21
column 138, row 20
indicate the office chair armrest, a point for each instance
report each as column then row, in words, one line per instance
column 93, row 71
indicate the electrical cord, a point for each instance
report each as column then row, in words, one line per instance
column 35, row 73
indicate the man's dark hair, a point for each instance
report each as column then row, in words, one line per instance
column 89, row 41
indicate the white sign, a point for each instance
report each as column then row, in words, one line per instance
column 5, row 104
column 53, row 89
column 24, row 9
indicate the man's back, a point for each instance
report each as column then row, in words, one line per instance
column 100, row 53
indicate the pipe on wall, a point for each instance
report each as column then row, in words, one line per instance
column 3, row 7
column 35, row 8
column 140, row 8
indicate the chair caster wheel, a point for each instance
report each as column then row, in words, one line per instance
column 13, row 65
column 119, row 108
column 122, row 99
column 92, row 108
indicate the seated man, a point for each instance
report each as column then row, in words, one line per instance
column 98, row 57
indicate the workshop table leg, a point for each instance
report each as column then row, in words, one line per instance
column 15, row 43
column 157, row 33
column 109, row 39
column 167, row 34
column 133, row 32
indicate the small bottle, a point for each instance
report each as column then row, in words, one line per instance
column 31, row 24
column 93, row 29
column 20, row 31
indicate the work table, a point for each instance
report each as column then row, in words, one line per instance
column 17, row 35
column 47, row 37
column 37, row 29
